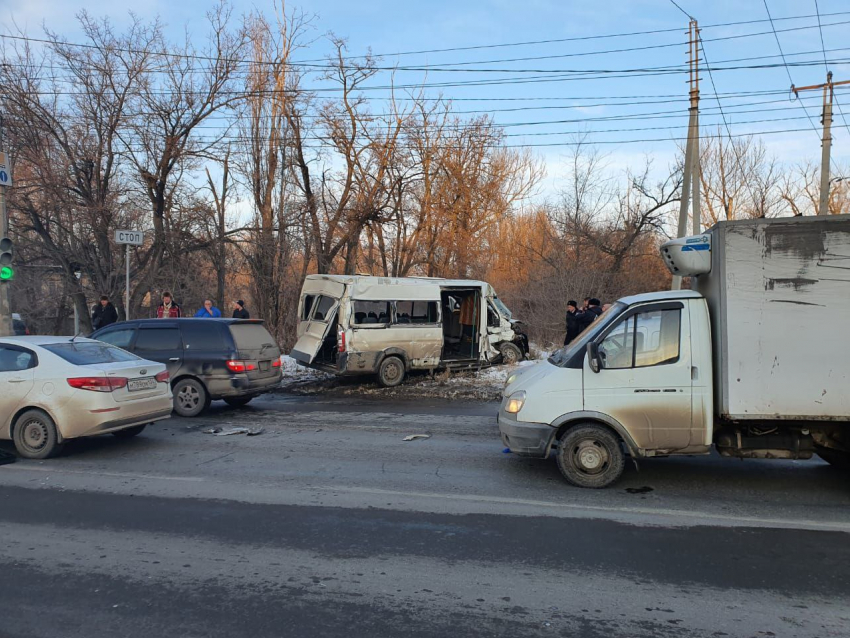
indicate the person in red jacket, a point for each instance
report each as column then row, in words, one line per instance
column 168, row 309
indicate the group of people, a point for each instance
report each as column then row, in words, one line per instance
column 104, row 313
column 581, row 316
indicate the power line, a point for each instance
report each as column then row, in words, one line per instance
column 787, row 70
column 688, row 15
column 425, row 67
column 820, row 30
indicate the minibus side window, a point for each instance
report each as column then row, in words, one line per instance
column 416, row 312
column 371, row 312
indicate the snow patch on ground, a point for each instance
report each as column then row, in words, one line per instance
column 484, row 384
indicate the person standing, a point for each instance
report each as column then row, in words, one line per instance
column 573, row 326
column 591, row 314
column 103, row 314
column 239, row 311
column 168, row 309
column 209, row 311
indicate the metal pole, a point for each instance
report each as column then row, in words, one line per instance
column 76, row 319
column 6, row 329
column 691, row 149
column 127, row 289
column 823, row 202
column 694, row 133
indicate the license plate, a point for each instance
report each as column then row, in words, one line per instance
column 264, row 366
column 135, row 385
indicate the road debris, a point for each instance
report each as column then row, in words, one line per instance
column 413, row 437
column 236, row 430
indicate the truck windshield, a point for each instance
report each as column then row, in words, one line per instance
column 562, row 357
column 502, row 307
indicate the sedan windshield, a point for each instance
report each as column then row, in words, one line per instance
column 84, row 353
column 565, row 354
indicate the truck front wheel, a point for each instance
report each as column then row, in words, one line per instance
column 590, row 455
column 836, row 458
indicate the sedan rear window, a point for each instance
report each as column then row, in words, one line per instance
column 87, row 353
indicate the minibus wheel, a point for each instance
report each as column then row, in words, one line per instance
column 590, row 455
column 510, row 354
column 391, row 372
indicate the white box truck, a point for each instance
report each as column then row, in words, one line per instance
column 754, row 361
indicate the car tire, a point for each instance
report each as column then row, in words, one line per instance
column 836, row 458
column 590, row 455
column 511, row 354
column 190, row 397
column 129, row 433
column 36, row 436
column 391, row 372
column 238, row 402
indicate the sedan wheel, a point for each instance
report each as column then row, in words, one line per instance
column 190, row 398
column 36, row 436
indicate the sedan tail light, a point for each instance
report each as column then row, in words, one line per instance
column 162, row 377
column 98, row 384
column 240, row 366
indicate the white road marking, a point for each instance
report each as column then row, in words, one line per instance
column 54, row 470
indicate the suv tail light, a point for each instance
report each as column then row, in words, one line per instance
column 98, row 384
column 277, row 363
column 340, row 339
column 240, row 366
column 162, row 377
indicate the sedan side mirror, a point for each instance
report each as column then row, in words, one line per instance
column 593, row 356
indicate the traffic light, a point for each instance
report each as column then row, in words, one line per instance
column 6, row 270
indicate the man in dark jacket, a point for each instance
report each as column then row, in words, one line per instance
column 239, row 311
column 573, row 328
column 591, row 314
column 103, row 314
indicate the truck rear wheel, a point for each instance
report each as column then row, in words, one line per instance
column 590, row 455
column 391, row 372
column 836, row 458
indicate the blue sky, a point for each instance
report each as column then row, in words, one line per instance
column 388, row 27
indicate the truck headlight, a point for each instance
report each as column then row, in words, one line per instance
column 515, row 402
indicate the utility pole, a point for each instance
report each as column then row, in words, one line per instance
column 826, row 141
column 6, row 329
column 692, row 165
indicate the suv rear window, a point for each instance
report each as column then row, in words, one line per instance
column 86, row 353
column 253, row 336
column 202, row 334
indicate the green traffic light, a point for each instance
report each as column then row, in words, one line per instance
column 6, row 273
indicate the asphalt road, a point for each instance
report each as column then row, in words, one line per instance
column 329, row 524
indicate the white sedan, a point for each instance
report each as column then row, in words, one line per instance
column 58, row 388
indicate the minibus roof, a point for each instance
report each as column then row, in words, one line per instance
column 368, row 287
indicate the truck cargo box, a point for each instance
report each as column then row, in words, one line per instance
column 779, row 296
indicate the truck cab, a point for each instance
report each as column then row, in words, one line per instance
column 640, row 374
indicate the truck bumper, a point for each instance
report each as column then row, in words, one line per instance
column 525, row 439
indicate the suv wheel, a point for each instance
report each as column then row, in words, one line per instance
column 36, row 436
column 190, row 397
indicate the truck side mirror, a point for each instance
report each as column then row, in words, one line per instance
column 593, row 356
